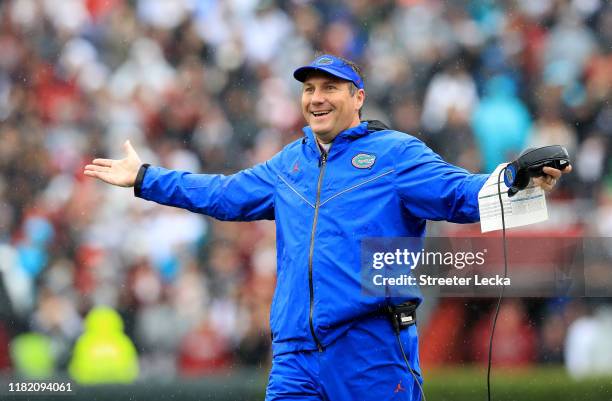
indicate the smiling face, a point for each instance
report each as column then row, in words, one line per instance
column 328, row 105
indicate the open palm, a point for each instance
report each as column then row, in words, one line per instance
column 117, row 172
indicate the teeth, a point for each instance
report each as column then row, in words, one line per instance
column 319, row 113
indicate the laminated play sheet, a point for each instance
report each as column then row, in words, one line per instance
column 526, row 207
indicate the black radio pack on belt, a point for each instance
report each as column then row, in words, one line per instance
column 403, row 315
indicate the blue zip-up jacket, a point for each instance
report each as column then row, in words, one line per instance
column 374, row 182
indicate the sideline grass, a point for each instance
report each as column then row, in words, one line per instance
column 530, row 384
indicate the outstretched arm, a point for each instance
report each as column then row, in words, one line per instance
column 435, row 190
column 116, row 172
column 244, row 196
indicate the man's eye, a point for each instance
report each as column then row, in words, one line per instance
column 309, row 90
column 331, row 87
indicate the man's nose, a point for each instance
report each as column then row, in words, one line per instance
column 317, row 97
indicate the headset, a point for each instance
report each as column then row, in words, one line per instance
column 531, row 163
column 517, row 176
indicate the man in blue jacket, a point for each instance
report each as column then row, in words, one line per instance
column 343, row 181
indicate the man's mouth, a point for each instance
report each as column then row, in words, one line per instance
column 320, row 113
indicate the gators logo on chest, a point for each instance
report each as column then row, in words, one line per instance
column 363, row 160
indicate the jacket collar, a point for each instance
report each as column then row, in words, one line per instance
column 341, row 140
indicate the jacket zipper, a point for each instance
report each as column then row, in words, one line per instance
column 311, row 253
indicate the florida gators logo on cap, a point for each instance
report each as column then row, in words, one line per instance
column 325, row 61
column 363, row 160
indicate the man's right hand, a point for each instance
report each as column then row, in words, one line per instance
column 117, row 172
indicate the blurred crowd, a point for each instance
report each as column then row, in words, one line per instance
column 207, row 86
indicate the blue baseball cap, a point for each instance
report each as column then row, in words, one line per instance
column 331, row 65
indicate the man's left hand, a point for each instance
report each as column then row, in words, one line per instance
column 548, row 182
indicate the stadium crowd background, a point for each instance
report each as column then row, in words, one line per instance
column 207, row 86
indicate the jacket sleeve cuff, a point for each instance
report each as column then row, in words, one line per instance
column 140, row 179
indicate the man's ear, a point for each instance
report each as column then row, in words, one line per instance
column 360, row 98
